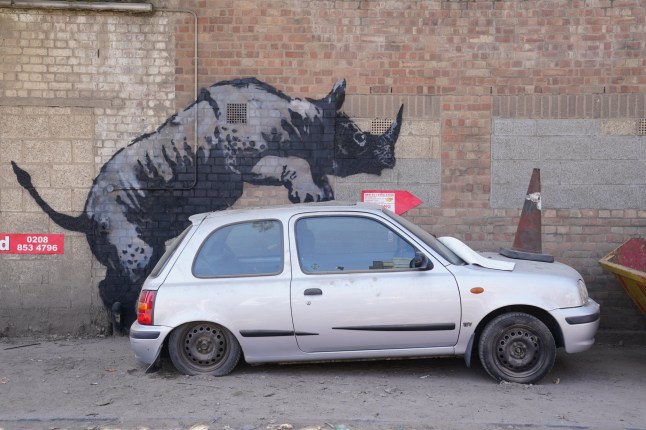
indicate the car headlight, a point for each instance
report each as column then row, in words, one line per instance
column 583, row 292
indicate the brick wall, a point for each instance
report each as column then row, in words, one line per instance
column 478, row 65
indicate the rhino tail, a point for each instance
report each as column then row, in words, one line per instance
column 80, row 223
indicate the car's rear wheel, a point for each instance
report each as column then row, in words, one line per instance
column 517, row 347
column 203, row 348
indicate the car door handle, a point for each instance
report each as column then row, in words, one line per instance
column 313, row 292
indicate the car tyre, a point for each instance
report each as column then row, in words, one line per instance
column 517, row 347
column 203, row 348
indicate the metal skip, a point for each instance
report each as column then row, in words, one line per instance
column 528, row 242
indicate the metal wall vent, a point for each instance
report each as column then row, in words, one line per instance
column 236, row 113
column 380, row 125
column 641, row 127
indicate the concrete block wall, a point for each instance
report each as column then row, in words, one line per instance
column 74, row 87
column 497, row 77
column 39, row 293
column 581, row 166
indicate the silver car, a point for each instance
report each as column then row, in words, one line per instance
column 352, row 281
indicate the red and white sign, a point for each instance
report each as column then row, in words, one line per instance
column 32, row 243
column 397, row 201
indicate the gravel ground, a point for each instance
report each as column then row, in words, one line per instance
column 95, row 383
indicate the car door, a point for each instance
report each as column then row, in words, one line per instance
column 353, row 288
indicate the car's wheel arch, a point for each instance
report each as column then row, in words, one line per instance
column 534, row 311
column 180, row 326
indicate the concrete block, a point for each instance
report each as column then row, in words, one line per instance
column 10, row 150
column 26, row 269
column 420, row 128
column 387, row 176
column 49, row 295
column 64, row 274
column 10, row 200
column 514, row 127
column 82, row 151
column 78, row 249
column 567, row 127
column 24, row 222
column 60, row 199
column 602, row 172
column 73, row 175
column 592, row 197
column 508, row 195
column 351, row 191
column 415, row 147
column 436, row 151
column 83, row 295
column 616, row 148
column 565, row 148
column 48, row 150
column 619, row 127
column 418, row 171
column 515, row 147
column 22, row 127
column 9, row 291
column 520, row 171
column 79, row 198
column 40, row 175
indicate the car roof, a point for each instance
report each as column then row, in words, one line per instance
column 288, row 209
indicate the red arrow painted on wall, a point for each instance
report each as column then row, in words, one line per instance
column 398, row 201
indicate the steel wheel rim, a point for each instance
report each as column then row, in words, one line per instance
column 205, row 347
column 518, row 351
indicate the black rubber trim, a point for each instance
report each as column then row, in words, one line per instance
column 404, row 327
column 274, row 333
column 144, row 334
column 266, row 333
column 524, row 255
column 583, row 319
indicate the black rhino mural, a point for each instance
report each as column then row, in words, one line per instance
column 247, row 131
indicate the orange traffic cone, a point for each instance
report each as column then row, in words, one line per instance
column 528, row 243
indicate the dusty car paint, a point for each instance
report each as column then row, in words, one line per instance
column 294, row 315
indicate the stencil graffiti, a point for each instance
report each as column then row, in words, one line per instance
column 246, row 131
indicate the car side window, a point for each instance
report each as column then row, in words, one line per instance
column 244, row 249
column 350, row 243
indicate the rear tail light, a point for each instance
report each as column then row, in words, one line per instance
column 145, row 307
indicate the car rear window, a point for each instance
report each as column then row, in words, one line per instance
column 169, row 252
column 244, row 249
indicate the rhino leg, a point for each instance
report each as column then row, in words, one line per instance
column 296, row 175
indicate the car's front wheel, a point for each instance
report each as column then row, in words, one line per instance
column 203, row 348
column 517, row 347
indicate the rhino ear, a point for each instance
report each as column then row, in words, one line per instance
column 337, row 95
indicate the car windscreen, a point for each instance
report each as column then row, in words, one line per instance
column 427, row 238
column 169, row 251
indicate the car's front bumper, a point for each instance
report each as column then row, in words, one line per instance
column 146, row 341
column 579, row 325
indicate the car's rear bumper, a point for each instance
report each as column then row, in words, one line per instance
column 579, row 325
column 147, row 341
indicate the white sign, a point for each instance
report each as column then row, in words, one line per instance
column 386, row 200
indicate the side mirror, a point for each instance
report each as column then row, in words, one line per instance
column 421, row 262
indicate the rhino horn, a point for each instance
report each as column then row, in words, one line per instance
column 385, row 150
column 391, row 135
